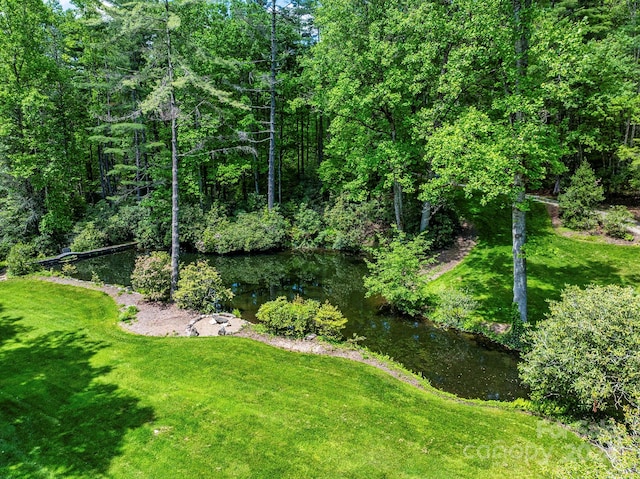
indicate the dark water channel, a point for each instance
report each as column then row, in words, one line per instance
column 453, row 361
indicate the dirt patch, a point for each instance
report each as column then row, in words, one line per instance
column 449, row 258
column 157, row 319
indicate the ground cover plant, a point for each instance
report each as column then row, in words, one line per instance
column 82, row 398
column 553, row 261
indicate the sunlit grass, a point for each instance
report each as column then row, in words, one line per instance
column 82, row 398
column 553, row 261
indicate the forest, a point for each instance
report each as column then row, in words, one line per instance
column 224, row 127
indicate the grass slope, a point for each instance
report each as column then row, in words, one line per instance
column 81, row 398
column 553, row 261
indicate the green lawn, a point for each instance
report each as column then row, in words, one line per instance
column 81, row 398
column 553, row 261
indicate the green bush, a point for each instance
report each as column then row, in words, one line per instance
column 616, row 222
column 306, row 229
column 257, row 231
column 88, row 238
column 455, row 308
column 577, row 204
column 200, row 288
column 351, row 226
column 152, row 276
column 396, row 273
column 128, row 314
column 585, row 355
column 122, row 226
column 20, row 260
column 300, row 317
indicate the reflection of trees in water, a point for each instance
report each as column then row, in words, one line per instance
column 322, row 276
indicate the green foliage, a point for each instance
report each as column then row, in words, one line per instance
column 256, row 231
column 351, row 225
column 123, row 225
column 300, row 317
column 443, row 227
column 577, row 204
column 397, row 273
column 455, row 308
column 200, row 288
column 128, row 314
column 306, row 229
column 20, row 260
column 616, row 221
column 69, row 269
column 585, row 354
column 89, row 238
column 620, row 442
column 152, row 276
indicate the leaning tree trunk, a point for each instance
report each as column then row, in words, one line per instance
column 425, row 217
column 272, row 115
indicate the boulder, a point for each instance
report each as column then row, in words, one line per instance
column 310, row 337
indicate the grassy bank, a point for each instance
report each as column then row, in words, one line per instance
column 81, row 398
column 553, row 261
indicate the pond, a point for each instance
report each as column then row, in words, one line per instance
column 461, row 363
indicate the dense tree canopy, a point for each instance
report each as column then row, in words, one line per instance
column 350, row 107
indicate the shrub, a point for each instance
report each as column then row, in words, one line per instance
column 152, row 276
column 200, row 288
column 455, row 308
column 88, row 238
column 397, row 273
column 20, row 260
column 306, row 228
column 351, row 226
column 128, row 314
column 616, row 221
column 122, row 226
column 258, row 231
column 300, row 317
column 586, row 354
column 582, row 196
column 443, row 227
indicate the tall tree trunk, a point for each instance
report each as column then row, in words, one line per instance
column 519, row 238
column 518, row 215
column 175, row 237
column 272, row 113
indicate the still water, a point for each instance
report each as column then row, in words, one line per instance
column 461, row 363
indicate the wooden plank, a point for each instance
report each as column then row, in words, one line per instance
column 78, row 255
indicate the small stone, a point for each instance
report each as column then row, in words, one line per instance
column 193, row 332
column 310, row 337
column 222, row 331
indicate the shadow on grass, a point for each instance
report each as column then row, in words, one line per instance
column 57, row 418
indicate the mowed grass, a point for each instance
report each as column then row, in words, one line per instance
column 81, row 398
column 553, row 261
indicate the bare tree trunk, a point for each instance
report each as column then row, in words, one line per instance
column 518, row 215
column 425, row 218
column 175, row 237
column 519, row 238
column 397, row 202
column 272, row 115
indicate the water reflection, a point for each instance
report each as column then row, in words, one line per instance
column 453, row 361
